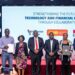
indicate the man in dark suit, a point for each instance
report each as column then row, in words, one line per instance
column 51, row 47
column 35, row 45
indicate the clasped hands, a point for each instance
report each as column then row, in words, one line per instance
column 36, row 51
column 51, row 53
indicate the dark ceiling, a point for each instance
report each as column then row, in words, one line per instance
column 38, row 2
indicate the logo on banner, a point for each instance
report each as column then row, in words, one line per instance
column 57, row 32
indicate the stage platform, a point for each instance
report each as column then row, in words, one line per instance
column 43, row 66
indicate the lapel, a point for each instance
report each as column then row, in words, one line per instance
column 39, row 41
column 33, row 43
column 49, row 45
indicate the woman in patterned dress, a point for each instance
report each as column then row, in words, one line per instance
column 21, row 54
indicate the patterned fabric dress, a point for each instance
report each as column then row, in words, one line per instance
column 21, row 58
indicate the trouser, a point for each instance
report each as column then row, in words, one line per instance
column 7, row 56
column 51, row 60
column 65, row 66
column 36, row 62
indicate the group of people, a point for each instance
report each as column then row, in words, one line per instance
column 36, row 44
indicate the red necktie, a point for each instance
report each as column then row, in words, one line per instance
column 36, row 44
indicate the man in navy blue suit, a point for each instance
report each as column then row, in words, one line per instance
column 51, row 48
column 35, row 45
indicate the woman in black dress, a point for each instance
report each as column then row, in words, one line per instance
column 65, row 58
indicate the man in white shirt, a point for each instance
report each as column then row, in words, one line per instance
column 35, row 45
column 51, row 48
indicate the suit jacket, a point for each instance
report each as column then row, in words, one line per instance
column 32, row 46
column 55, row 47
column 74, row 44
column 25, row 49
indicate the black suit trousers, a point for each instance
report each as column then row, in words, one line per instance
column 50, row 61
column 36, row 63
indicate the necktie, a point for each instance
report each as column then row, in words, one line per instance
column 36, row 44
